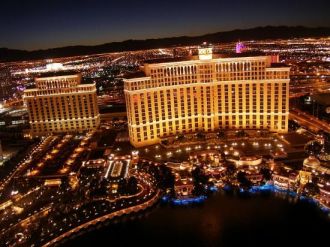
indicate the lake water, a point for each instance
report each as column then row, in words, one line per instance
column 222, row 220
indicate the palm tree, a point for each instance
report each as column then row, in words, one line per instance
column 221, row 134
column 311, row 189
column 241, row 133
column 245, row 183
column 132, row 185
column 200, row 135
column 180, row 137
column 313, row 148
column 266, row 174
column 230, row 169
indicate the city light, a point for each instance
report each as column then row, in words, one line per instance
column 90, row 138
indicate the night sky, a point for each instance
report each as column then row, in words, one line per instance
column 39, row 24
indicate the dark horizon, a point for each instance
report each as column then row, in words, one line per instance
column 258, row 33
column 38, row 24
column 173, row 37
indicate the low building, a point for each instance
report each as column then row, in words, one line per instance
column 249, row 161
column 92, row 169
column 255, row 178
column 183, row 185
column 117, row 170
column 285, row 180
column 210, row 156
column 314, row 165
column 325, row 195
column 246, row 162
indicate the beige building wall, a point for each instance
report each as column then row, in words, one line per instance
column 61, row 104
column 206, row 95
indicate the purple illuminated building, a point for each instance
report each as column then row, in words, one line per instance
column 239, row 47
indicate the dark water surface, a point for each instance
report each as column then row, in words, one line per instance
column 221, row 221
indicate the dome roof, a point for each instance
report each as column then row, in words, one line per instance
column 311, row 162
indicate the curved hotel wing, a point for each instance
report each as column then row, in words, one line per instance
column 60, row 103
column 205, row 94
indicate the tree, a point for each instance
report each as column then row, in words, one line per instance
column 164, row 142
column 311, row 189
column 166, row 177
column 221, row 134
column 180, row 137
column 199, row 189
column 266, row 174
column 241, row 133
column 132, row 185
column 263, row 133
column 122, row 186
column 200, row 135
column 230, row 169
column 200, row 181
column 293, row 125
column 313, row 148
column 199, row 176
column 245, row 183
column 104, row 186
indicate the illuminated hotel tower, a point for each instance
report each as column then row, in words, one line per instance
column 60, row 103
column 206, row 93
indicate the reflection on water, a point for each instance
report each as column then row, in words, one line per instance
column 221, row 221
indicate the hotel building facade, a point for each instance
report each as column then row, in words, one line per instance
column 60, row 103
column 206, row 93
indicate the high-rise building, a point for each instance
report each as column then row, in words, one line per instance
column 206, row 93
column 5, row 83
column 60, row 103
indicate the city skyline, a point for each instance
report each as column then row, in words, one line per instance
column 220, row 137
column 40, row 25
column 161, row 133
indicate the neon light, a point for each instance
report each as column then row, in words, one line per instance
column 239, row 47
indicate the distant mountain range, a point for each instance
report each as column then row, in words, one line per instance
column 259, row 33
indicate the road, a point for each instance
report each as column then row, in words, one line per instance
column 309, row 121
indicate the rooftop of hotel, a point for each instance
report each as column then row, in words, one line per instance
column 140, row 73
column 57, row 73
column 169, row 60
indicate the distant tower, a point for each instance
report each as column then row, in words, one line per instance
column 190, row 53
column 175, row 52
column 239, row 47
